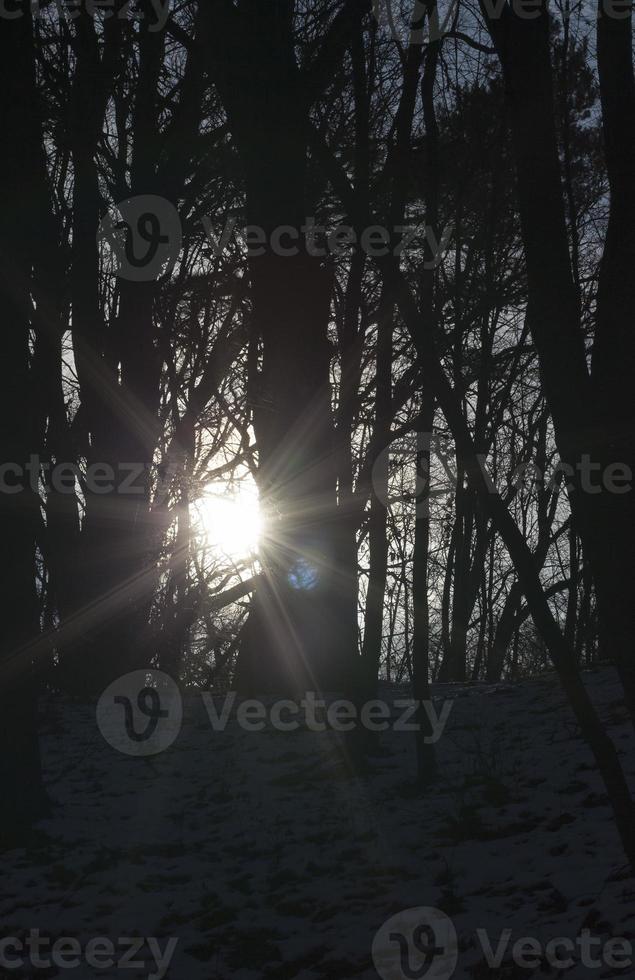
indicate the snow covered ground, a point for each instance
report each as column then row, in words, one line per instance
column 265, row 858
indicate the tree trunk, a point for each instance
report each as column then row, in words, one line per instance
column 293, row 640
column 426, row 758
column 613, row 364
column 20, row 773
column 377, row 529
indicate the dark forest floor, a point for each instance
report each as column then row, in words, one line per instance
column 265, row 858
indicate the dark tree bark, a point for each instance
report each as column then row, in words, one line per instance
column 293, row 640
column 396, row 174
column 377, row 524
column 613, row 365
column 421, row 674
column 20, row 196
column 119, row 364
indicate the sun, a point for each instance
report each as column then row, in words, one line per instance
column 230, row 522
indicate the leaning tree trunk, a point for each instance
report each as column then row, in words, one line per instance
column 593, row 415
column 562, row 656
column 603, row 749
